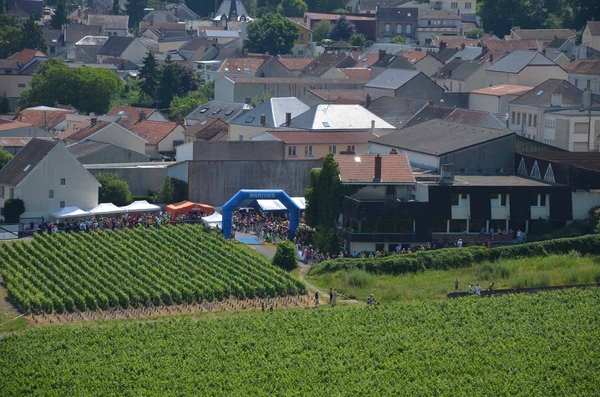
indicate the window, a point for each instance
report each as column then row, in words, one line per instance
column 529, row 120
column 439, row 226
column 12, row 193
column 542, row 200
column 454, row 5
column 52, row 50
column 51, row 194
column 588, row 84
column 216, row 111
column 405, row 226
column 22, row 85
column 368, row 226
column 512, row 118
column 455, row 199
column 379, row 247
column 292, row 151
column 458, row 225
column 535, row 120
column 538, row 200
column 576, row 82
column 308, row 151
column 229, row 113
column 63, row 181
column 300, row 52
column 2, row 191
column 498, row 200
column 387, row 27
column 518, row 118
column 399, row 28
column 333, row 149
column 62, row 204
column 535, row 171
column 8, row 71
column 353, row 148
column 326, row 124
column 249, row 119
column 477, row 226
column 203, row 110
column 549, row 175
column 301, row 37
column 522, row 167
column 467, row 6
column 247, row 100
column 408, row 27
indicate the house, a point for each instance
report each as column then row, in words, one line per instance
column 364, row 24
column 543, row 35
column 230, row 10
column 271, row 114
column 182, row 12
column 390, row 61
column 403, row 83
column 317, row 97
column 528, row 111
column 395, row 110
column 113, row 25
column 47, row 177
column 579, row 171
column 370, row 6
column 436, row 23
column 495, row 99
column 47, row 118
column 16, row 73
column 165, row 29
column 423, row 61
column 389, row 48
column 91, row 152
column 585, row 74
column 562, row 51
column 326, row 64
column 161, row 137
column 309, row 145
column 87, row 47
column 221, row 36
column 349, row 118
column 294, row 66
column 575, row 130
column 591, row 35
column 392, row 22
column 475, row 118
column 127, row 48
column 225, row 111
column 251, row 65
column 22, row 9
column 136, row 113
column 522, row 67
column 243, row 89
column 55, row 41
column 462, row 76
column 433, row 143
column 209, row 129
column 74, row 32
column 458, row 6
column 105, row 132
column 355, row 73
column 303, row 45
column 18, row 130
column 160, row 14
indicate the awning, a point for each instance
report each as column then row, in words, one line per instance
column 70, row 212
column 106, row 209
column 276, row 205
column 185, row 207
column 214, row 220
column 140, row 206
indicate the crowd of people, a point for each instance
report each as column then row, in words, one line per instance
column 270, row 227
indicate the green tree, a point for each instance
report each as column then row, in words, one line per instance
column 321, row 30
column 2, row 6
column 32, row 36
column 60, row 15
column 358, row 40
column 181, row 106
column 398, row 40
column 150, row 75
column 132, row 95
column 273, row 34
column 11, row 35
column 4, row 104
column 13, row 209
column 113, row 190
column 116, row 8
column 257, row 100
column 292, row 8
column 286, row 256
column 476, row 33
column 135, row 10
column 170, row 85
column 4, row 157
column 171, row 191
column 342, row 29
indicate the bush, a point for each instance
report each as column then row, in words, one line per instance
column 113, row 190
column 171, row 191
column 285, row 256
column 451, row 258
column 13, row 208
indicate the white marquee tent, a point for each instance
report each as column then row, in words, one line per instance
column 140, row 206
column 106, row 209
column 70, row 212
column 214, row 220
column 276, row 205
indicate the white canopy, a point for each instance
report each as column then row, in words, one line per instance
column 276, row 205
column 107, row 208
column 70, row 212
column 214, row 220
column 140, row 206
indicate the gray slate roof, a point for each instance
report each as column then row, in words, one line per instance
column 326, row 61
column 396, row 110
column 76, row 32
column 543, row 34
column 391, row 61
column 428, row 113
column 86, row 147
column 226, row 111
column 392, row 78
column 541, row 95
column 519, row 60
column 457, row 69
column 274, row 109
column 115, row 45
column 398, row 14
column 437, row 137
column 25, row 161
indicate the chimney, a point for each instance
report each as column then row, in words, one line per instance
column 556, row 100
column 93, row 121
column 441, row 103
column 377, row 177
column 267, row 53
column 288, row 118
column 491, row 58
column 245, row 52
column 443, row 45
column 141, row 115
column 544, row 51
column 368, row 100
column 79, row 11
column 449, row 73
column 393, row 151
column 447, row 174
column 18, row 111
column 372, row 126
column 381, row 54
column 462, row 46
column 263, row 119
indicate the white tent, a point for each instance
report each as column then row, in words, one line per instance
column 276, row 205
column 106, row 209
column 70, row 212
column 140, row 206
column 214, row 220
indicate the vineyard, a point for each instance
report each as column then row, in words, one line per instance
column 524, row 345
column 144, row 267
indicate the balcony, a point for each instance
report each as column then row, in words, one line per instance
column 355, row 237
column 381, row 209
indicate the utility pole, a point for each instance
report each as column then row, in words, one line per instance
column 587, row 103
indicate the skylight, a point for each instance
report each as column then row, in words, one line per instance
column 203, row 122
column 217, row 111
column 203, row 110
column 540, row 92
column 227, row 69
column 247, row 69
column 27, row 168
column 357, row 159
column 326, row 124
column 249, row 119
column 229, row 112
column 121, row 112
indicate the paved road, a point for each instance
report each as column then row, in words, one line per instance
column 267, row 251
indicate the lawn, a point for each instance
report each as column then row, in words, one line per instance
column 509, row 273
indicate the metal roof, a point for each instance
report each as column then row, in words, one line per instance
column 392, row 78
column 519, row 60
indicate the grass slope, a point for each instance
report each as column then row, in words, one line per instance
column 525, row 345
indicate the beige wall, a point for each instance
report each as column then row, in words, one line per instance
column 119, row 136
column 590, row 41
column 321, row 150
column 537, row 127
column 428, row 65
column 166, row 145
column 9, row 84
column 530, row 76
column 585, row 81
column 333, row 73
column 235, row 130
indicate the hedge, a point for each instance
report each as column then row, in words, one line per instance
column 450, row 258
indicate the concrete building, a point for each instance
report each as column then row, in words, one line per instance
column 24, row 130
column 87, row 47
column 303, row 46
column 495, row 99
column 47, row 177
column 524, row 68
column 570, row 130
column 113, row 25
column 126, row 48
column 423, row 61
column 161, row 137
column 392, row 22
column 438, row 23
column 403, row 83
column 90, row 152
column 458, row 6
column 462, row 75
column 16, row 73
column 585, row 74
column 591, row 35
column 294, row 66
column 364, row 24
column 74, row 32
column 324, row 66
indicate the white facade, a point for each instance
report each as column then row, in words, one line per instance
column 586, row 82
column 530, row 76
column 582, row 202
column 572, row 133
column 167, row 144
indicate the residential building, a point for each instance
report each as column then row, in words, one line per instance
column 221, row 36
column 18, row 130
column 423, row 61
column 73, row 33
column 521, row 67
column 591, row 35
column 437, row 23
column 105, row 132
column 55, row 41
column 52, row 119
column 113, row 25
column 22, row 9
column 462, row 76
column 16, row 73
column 433, row 143
column 576, row 130
column 457, row 115
column 209, row 129
column 182, row 12
column 294, row 66
column 250, row 65
column 91, row 152
column 271, row 114
column 585, row 74
column 393, row 21
column 161, row 137
column 87, row 47
column 495, row 99
column 543, row 35
column 309, row 145
column 528, row 111
column 458, row 6
column 395, row 110
column 390, row 61
column 136, row 113
column 47, row 177
column 403, row 83
column 303, row 45
column 230, row 10
column 160, row 14
column 225, row 111
column 364, row 24
column 326, row 64
column 123, row 48
column 370, row 6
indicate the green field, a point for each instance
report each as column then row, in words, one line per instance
column 141, row 267
column 541, row 271
column 542, row 344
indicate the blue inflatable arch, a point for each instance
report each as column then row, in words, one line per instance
column 247, row 194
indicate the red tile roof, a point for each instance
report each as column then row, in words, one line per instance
column 82, row 130
column 356, row 73
column 207, row 129
column 17, row 141
column 333, row 17
column 584, row 66
column 414, row 56
column 307, row 137
column 499, row 48
column 132, row 112
column 11, row 125
column 43, row 118
column 367, row 60
column 464, row 116
column 26, row 55
column 241, row 65
column 503, row 89
column 152, row 131
column 395, row 168
column 296, row 64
